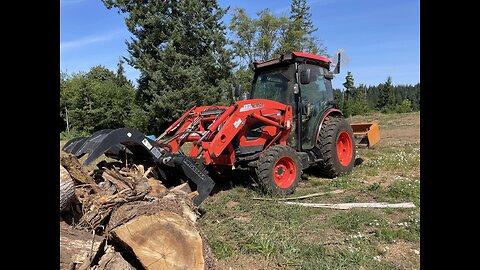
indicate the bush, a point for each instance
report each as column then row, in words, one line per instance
column 404, row 107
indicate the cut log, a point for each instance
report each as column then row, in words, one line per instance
column 67, row 189
column 162, row 241
column 158, row 189
column 182, row 189
column 112, row 260
column 131, row 210
column 77, row 246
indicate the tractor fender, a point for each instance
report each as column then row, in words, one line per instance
column 332, row 112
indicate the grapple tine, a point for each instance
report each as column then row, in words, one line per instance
column 74, row 144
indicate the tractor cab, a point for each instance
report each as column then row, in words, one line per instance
column 303, row 81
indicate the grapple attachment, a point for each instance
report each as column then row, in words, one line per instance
column 117, row 143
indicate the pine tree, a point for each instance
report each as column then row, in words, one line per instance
column 121, row 79
column 179, row 47
column 349, row 82
column 359, row 105
column 299, row 34
column 385, row 100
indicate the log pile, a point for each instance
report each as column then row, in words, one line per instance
column 122, row 218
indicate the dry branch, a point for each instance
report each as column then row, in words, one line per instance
column 302, row 197
column 346, row 206
column 76, row 171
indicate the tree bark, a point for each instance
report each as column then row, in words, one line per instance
column 77, row 246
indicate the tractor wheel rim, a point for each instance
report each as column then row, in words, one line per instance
column 284, row 172
column 344, row 148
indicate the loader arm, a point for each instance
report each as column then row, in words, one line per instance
column 212, row 130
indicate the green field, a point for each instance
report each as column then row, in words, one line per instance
column 251, row 234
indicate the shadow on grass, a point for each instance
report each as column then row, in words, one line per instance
column 317, row 172
column 232, row 179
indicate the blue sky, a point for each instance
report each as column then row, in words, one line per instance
column 380, row 37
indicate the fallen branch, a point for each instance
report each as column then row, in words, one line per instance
column 76, row 171
column 302, row 197
column 346, row 206
column 148, row 171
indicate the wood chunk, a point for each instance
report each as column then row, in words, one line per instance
column 76, row 171
column 67, row 190
column 131, row 210
column 182, row 189
column 148, row 171
column 76, row 246
column 158, row 189
column 115, row 178
column 162, row 241
column 113, row 260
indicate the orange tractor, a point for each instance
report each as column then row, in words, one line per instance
column 289, row 123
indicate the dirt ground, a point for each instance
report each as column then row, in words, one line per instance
column 403, row 128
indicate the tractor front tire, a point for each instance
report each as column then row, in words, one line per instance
column 337, row 147
column 279, row 170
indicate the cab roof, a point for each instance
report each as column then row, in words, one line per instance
column 294, row 57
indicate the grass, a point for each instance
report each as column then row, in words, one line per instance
column 295, row 237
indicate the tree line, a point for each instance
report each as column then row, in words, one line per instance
column 186, row 58
column 384, row 97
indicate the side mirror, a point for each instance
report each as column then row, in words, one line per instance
column 305, row 76
column 236, row 92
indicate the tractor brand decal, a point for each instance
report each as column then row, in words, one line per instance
column 156, row 152
column 237, row 122
column 248, row 107
column 147, row 144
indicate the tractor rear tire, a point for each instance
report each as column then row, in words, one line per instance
column 337, row 146
column 279, row 170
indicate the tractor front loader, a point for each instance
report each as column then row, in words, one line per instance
column 289, row 123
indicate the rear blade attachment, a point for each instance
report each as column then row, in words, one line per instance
column 116, row 142
column 366, row 134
